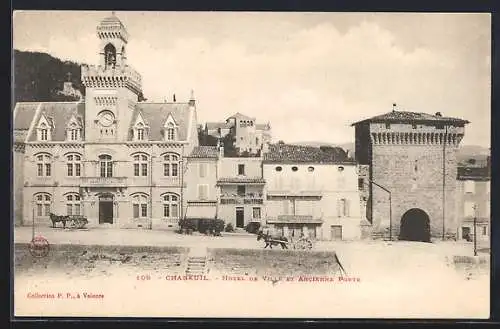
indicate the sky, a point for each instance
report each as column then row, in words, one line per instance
column 311, row 75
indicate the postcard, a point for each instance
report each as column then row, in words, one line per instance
column 251, row 164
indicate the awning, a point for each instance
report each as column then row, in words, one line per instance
column 201, row 211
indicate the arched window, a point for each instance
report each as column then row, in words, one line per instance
column 140, row 165
column 106, row 165
column 43, row 165
column 171, row 165
column 74, row 166
column 110, row 55
column 140, row 205
column 42, row 203
column 73, row 204
column 170, row 206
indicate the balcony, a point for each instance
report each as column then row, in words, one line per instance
column 104, row 182
column 294, row 219
column 296, row 193
column 249, row 198
column 241, row 181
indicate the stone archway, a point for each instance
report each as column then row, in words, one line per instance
column 415, row 226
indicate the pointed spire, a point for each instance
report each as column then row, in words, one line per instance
column 174, row 99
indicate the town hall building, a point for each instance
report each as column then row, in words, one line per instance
column 111, row 157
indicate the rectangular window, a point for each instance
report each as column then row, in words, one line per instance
column 144, row 210
column 40, row 169
column 202, row 192
column 469, row 186
column 241, row 190
column 39, row 210
column 69, row 209
column 175, row 211
column 241, row 169
column 175, row 168
column 140, row 134
column 166, row 210
column 136, row 169
column 256, row 213
column 361, row 183
column 485, row 230
column 47, row 209
column 144, row 169
column 47, row 169
column 70, row 169
column 166, row 169
column 77, row 169
column 469, row 209
column 76, row 209
column 103, row 169
column 110, row 169
column 44, row 134
column 203, row 170
column 136, row 210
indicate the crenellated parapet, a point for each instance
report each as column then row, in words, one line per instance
column 416, row 138
column 97, row 76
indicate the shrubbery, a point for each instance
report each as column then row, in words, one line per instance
column 229, row 228
column 252, row 227
column 209, row 226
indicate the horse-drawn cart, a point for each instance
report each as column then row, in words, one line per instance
column 302, row 243
column 74, row 221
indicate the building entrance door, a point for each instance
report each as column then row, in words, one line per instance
column 240, row 217
column 336, row 232
column 106, row 209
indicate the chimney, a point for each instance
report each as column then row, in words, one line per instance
column 174, row 99
column 220, row 145
column 192, row 102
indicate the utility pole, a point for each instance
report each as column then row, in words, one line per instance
column 390, row 206
column 475, row 218
column 444, row 177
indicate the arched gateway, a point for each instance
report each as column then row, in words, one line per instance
column 415, row 226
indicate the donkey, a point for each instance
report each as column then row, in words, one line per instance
column 272, row 240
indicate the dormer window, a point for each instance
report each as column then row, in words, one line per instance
column 44, row 130
column 73, row 130
column 170, row 129
column 140, row 129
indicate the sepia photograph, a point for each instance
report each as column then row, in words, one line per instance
column 251, row 164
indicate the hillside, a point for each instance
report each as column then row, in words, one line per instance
column 40, row 77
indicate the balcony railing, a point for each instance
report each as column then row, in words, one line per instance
column 104, row 181
column 242, row 199
column 289, row 219
column 315, row 193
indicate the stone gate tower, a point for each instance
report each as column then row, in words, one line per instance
column 412, row 173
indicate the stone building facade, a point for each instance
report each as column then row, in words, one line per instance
column 110, row 157
column 412, row 173
column 473, row 202
column 249, row 136
column 312, row 192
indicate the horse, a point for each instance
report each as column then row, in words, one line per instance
column 55, row 219
column 272, row 240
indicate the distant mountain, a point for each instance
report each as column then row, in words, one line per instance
column 40, row 77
